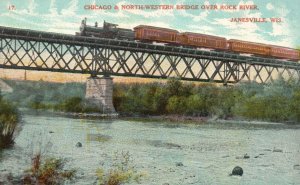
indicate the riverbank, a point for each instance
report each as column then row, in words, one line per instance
column 274, row 102
column 168, row 119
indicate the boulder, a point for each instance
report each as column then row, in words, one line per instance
column 277, row 150
column 246, row 156
column 78, row 144
column 297, row 167
column 237, row 171
column 179, row 164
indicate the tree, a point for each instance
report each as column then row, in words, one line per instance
column 176, row 105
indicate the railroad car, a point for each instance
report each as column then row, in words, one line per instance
column 144, row 33
column 240, row 46
column 202, row 41
column 284, row 53
column 151, row 33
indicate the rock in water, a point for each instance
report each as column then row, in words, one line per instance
column 179, row 164
column 297, row 167
column 277, row 150
column 237, row 171
column 78, row 144
column 246, row 156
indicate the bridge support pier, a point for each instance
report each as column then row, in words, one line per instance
column 99, row 91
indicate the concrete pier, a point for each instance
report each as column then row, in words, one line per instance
column 99, row 91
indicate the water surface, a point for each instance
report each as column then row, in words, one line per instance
column 208, row 152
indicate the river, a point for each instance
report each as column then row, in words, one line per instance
column 177, row 154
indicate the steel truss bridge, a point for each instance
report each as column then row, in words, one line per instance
column 44, row 51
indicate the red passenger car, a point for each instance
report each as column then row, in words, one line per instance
column 284, row 53
column 249, row 47
column 202, row 41
column 151, row 33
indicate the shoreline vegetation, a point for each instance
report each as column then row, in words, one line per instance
column 9, row 119
column 171, row 101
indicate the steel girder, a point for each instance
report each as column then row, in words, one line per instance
column 33, row 54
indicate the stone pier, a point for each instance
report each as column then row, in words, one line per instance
column 99, row 91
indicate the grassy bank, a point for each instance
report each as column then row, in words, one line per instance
column 278, row 101
column 9, row 119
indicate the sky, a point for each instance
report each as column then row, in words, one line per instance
column 64, row 16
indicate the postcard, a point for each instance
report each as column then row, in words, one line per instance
column 153, row 92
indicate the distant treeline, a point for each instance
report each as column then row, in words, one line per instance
column 277, row 101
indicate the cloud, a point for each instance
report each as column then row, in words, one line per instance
column 31, row 7
column 269, row 6
column 200, row 29
column 249, row 31
column 71, row 10
column 198, row 17
column 53, row 8
column 280, row 29
column 281, row 32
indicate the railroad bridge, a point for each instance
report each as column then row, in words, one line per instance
column 44, row 51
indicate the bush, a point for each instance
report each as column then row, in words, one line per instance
column 295, row 105
column 73, row 104
column 226, row 100
column 9, row 119
column 122, row 171
column 176, row 105
column 276, row 101
column 196, row 105
column 48, row 172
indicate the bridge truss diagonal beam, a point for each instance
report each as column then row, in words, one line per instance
column 66, row 53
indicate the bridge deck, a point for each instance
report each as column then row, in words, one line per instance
column 15, row 42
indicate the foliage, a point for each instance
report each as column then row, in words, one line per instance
column 42, row 94
column 9, row 119
column 121, row 171
column 76, row 104
column 176, row 105
column 295, row 105
column 273, row 102
column 196, row 105
column 73, row 104
column 48, row 172
column 276, row 101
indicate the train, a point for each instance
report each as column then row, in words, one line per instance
column 151, row 34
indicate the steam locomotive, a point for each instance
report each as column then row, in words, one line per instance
column 108, row 30
column 144, row 33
